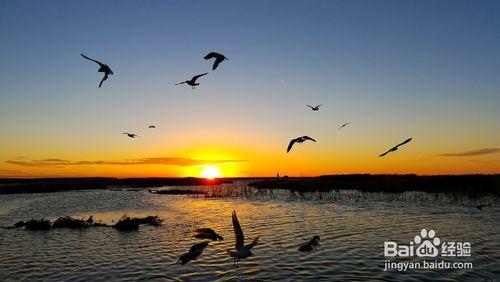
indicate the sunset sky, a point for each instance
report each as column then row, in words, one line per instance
column 395, row 69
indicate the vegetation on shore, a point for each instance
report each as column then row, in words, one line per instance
column 471, row 184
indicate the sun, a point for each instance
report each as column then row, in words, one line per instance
column 210, row 172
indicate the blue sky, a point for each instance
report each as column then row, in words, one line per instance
column 395, row 68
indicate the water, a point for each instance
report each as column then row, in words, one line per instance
column 353, row 227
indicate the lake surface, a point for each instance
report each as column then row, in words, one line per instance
column 353, row 227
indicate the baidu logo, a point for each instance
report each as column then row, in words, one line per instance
column 425, row 244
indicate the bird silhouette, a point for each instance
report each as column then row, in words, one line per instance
column 309, row 246
column 219, row 58
column 131, row 135
column 242, row 250
column 151, row 126
column 344, row 125
column 298, row 140
column 207, row 233
column 395, row 147
column 192, row 82
column 102, row 68
column 194, row 252
column 315, row 108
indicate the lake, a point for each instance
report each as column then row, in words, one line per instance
column 353, row 227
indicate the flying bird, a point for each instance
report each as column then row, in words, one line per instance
column 309, row 246
column 344, row 125
column 194, row 252
column 219, row 58
column 151, row 126
column 192, row 82
column 395, row 147
column 207, row 233
column 102, row 68
column 131, row 135
column 316, row 108
column 242, row 250
column 298, row 140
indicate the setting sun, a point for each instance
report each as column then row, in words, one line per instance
column 210, row 172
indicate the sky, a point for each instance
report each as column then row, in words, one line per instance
column 394, row 69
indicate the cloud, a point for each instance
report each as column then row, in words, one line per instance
column 478, row 152
column 140, row 161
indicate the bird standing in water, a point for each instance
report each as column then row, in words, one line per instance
column 102, row 68
column 309, row 246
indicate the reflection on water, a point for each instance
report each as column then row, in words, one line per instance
column 352, row 226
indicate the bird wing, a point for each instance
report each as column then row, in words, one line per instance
column 126, row 133
column 211, row 55
column 310, row 106
column 318, row 106
column 181, row 82
column 251, row 245
column 388, row 151
column 103, row 79
column 308, row 138
column 198, row 76
column 404, row 142
column 100, row 64
column 217, row 61
column 238, row 233
column 290, row 145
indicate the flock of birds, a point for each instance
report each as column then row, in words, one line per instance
column 240, row 251
column 219, row 58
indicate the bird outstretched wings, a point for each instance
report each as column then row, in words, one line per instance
column 395, row 147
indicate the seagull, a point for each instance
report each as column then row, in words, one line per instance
column 481, row 206
column 131, row 135
column 102, row 68
column 219, row 58
column 309, row 246
column 207, row 233
column 316, row 108
column 344, row 125
column 194, row 252
column 242, row 250
column 192, row 82
column 298, row 140
column 395, row 147
column 152, row 126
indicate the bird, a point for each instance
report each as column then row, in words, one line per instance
column 481, row 206
column 316, row 108
column 219, row 58
column 298, row 140
column 309, row 246
column 194, row 252
column 131, row 135
column 192, row 82
column 102, row 68
column 395, row 147
column 344, row 125
column 207, row 233
column 242, row 250
column 151, row 126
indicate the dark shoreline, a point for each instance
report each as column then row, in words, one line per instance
column 470, row 184
column 49, row 185
column 394, row 183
